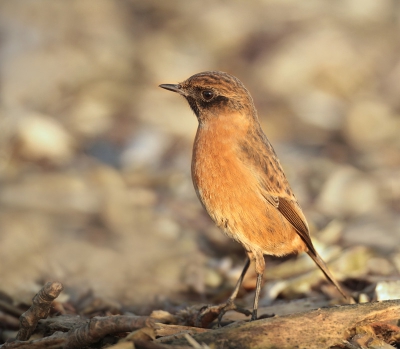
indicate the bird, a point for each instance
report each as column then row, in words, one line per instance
column 239, row 180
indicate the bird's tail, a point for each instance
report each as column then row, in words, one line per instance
column 324, row 268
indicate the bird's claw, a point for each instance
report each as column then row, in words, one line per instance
column 209, row 313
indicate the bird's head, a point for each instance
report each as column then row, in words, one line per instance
column 212, row 93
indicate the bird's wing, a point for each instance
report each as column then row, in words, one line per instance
column 261, row 159
column 291, row 210
column 258, row 155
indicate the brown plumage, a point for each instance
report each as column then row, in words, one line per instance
column 238, row 178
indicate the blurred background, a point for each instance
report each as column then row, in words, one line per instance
column 95, row 186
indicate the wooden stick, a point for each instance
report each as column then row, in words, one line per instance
column 84, row 335
column 319, row 328
column 40, row 309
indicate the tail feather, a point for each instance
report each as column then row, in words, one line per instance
column 324, row 268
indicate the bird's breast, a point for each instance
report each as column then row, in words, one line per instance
column 230, row 192
column 224, row 185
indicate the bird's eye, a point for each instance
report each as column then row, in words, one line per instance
column 207, row 95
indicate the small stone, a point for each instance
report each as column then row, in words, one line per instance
column 363, row 298
column 167, row 228
column 145, row 149
column 386, row 290
column 311, row 106
column 380, row 266
column 348, row 192
column 212, row 278
column 42, row 138
column 371, row 124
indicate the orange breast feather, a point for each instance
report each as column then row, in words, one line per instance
column 231, row 193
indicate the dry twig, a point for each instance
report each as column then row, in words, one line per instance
column 84, row 335
column 40, row 309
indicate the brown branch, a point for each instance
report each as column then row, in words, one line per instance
column 168, row 333
column 319, row 328
column 86, row 334
column 40, row 309
column 62, row 323
column 54, row 341
column 163, row 330
column 99, row 327
column 154, row 345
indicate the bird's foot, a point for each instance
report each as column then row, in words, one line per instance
column 254, row 315
column 209, row 313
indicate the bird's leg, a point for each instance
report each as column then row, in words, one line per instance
column 208, row 314
column 260, row 267
column 257, row 296
column 239, row 282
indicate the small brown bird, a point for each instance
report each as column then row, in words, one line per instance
column 238, row 178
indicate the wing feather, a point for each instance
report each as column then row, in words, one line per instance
column 258, row 154
column 292, row 212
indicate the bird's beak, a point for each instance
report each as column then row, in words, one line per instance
column 174, row 88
